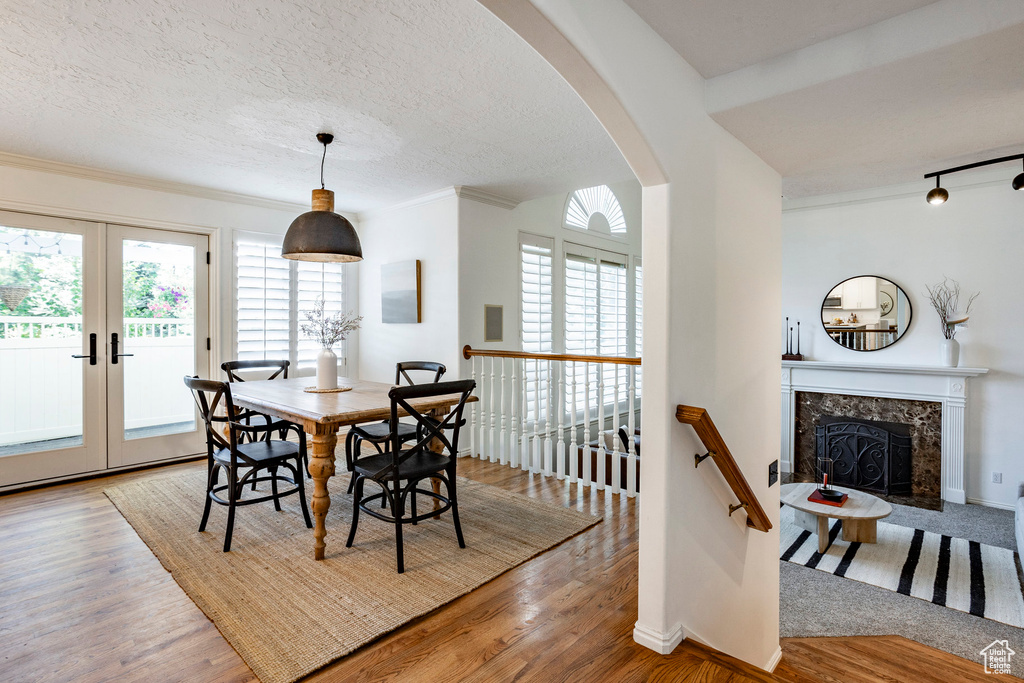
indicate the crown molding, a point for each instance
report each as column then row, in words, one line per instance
column 429, row 198
column 484, row 197
column 88, row 173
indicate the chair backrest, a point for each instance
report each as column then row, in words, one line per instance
column 231, row 366
column 208, row 394
column 428, row 428
column 402, row 370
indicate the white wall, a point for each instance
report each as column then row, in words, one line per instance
column 711, row 246
column 428, row 230
column 977, row 238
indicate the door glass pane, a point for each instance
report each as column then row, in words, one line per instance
column 40, row 329
column 159, row 330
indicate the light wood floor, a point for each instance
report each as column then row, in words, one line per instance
column 83, row 599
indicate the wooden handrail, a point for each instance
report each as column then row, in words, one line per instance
column 699, row 419
column 468, row 352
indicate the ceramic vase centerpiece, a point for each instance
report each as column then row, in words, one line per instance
column 945, row 299
column 327, row 329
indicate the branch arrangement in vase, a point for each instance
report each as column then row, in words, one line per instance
column 327, row 329
column 945, row 299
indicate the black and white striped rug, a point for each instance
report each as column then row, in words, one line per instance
column 963, row 575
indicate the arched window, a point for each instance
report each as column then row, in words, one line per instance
column 596, row 209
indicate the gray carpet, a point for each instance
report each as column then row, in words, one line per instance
column 813, row 603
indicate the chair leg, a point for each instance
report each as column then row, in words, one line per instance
column 358, row 481
column 350, row 459
column 302, row 497
column 453, row 496
column 212, row 478
column 412, row 503
column 273, row 488
column 232, row 497
column 396, row 512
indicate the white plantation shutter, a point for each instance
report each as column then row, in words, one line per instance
column 612, row 331
column 264, row 299
column 272, row 292
column 537, row 314
column 535, row 259
column 316, row 280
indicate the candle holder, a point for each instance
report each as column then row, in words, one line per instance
column 826, row 490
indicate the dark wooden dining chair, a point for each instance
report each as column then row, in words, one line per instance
column 275, row 368
column 373, row 433
column 245, row 460
column 400, row 469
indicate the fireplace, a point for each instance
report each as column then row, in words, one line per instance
column 870, row 455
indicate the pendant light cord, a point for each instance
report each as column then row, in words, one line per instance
column 324, row 158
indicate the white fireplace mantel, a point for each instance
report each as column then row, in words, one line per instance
column 947, row 386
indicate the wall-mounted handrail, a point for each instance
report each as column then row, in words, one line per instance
column 701, row 422
column 468, row 352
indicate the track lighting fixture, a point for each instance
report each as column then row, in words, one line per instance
column 937, row 195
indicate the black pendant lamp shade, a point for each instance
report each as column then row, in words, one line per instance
column 321, row 234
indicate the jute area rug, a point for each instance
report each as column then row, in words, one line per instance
column 287, row 615
column 964, row 575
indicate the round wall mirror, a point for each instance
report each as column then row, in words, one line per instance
column 866, row 313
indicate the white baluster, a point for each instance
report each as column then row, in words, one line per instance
column 560, row 403
column 513, row 459
column 535, row 448
column 631, row 430
column 600, row 428
column 573, row 448
column 483, row 408
column 549, row 411
column 524, row 445
column 493, row 451
column 616, row 467
column 474, row 414
column 587, row 479
column 502, row 453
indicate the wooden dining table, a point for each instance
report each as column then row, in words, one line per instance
column 321, row 416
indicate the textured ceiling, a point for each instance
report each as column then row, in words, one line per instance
column 420, row 94
column 719, row 36
column 893, row 123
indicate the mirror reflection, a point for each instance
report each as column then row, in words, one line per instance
column 866, row 313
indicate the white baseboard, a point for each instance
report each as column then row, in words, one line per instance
column 657, row 641
column 992, row 504
column 774, row 661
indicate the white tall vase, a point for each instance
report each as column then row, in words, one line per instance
column 326, row 369
column 950, row 350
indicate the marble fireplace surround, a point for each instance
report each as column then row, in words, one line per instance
column 947, row 386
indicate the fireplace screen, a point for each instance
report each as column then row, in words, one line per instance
column 868, row 455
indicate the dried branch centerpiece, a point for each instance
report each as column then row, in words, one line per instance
column 945, row 299
column 328, row 329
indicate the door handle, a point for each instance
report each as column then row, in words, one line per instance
column 114, row 343
column 92, row 350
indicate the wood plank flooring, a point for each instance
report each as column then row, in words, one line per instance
column 83, row 599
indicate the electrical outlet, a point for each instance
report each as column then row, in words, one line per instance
column 997, row 477
column 773, row 473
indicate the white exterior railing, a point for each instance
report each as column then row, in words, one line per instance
column 41, row 395
column 576, row 400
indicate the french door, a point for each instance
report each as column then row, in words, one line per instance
column 98, row 325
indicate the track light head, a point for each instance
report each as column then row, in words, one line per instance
column 937, row 195
column 1018, row 182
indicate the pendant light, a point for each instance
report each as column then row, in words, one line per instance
column 321, row 234
column 1018, row 182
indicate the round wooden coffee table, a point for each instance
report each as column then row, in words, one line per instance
column 860, row 513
